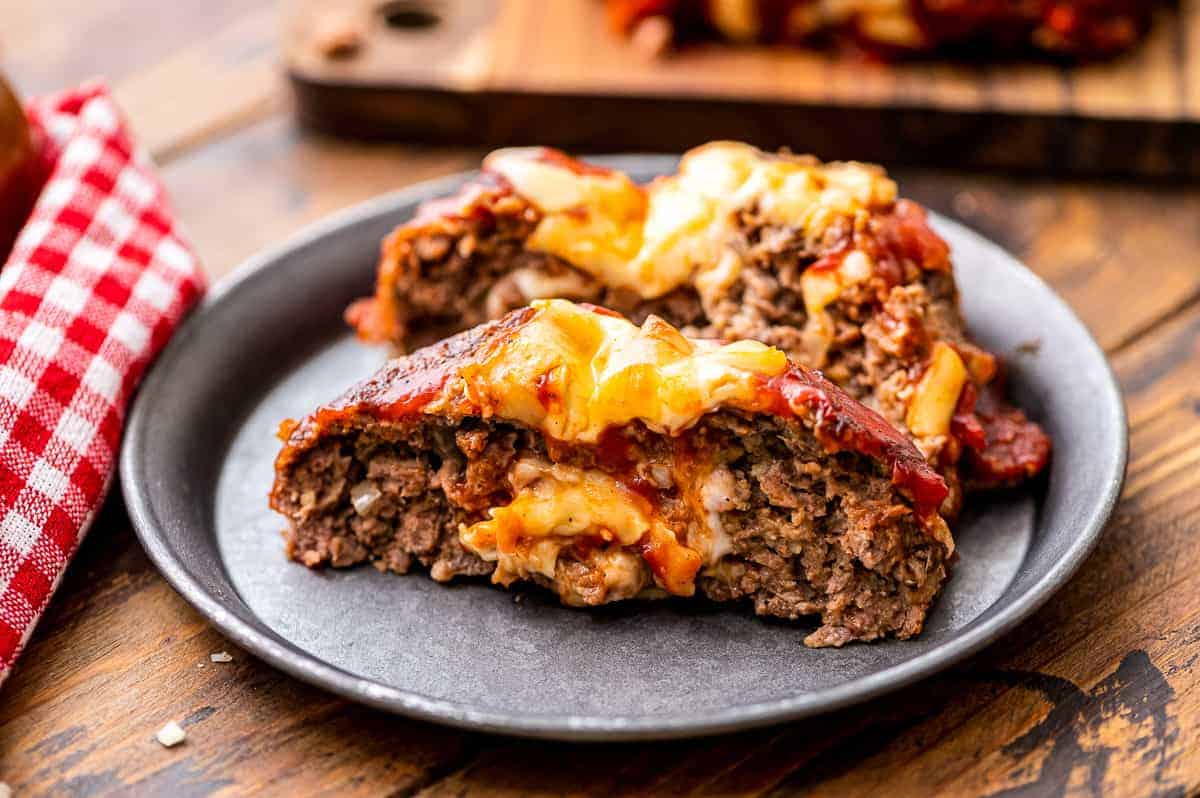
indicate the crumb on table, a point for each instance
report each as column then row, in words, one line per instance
column 170, row 735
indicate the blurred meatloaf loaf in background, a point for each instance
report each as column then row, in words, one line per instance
column 566, row 446
column 1079, row 29
column 819, row 259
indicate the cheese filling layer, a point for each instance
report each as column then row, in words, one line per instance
column 573, row 372
column 556, row 506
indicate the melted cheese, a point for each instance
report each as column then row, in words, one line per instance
column 821, row 287
column 936, row 395
column 572, row 373
column 680, row 230
column 555, row 505
column 590, row 219
column 716, row 495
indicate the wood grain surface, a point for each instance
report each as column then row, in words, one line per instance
column 495, row 72
column 1097, row 694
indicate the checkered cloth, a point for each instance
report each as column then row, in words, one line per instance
column 97, row 281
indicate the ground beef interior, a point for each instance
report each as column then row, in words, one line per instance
column 462, row 276
column 811, row 534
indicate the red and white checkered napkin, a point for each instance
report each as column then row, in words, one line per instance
column 96, row 283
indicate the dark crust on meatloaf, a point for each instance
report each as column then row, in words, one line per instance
column 812, row 533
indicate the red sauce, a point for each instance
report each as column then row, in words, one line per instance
column 370, row 319
column 849, row 425
column 547, row 396
column 831, row 261
column 964, row 424
column 898, row 237
column 612, row 450
column 466, row 203
column 404, row 386
column 906, row 232
column 615, row 456
column 903, row 235
column 601, row 311
column 624, row 14
column 553, row 157
column 405, row 396
column 1014, row 447
column 675, row 566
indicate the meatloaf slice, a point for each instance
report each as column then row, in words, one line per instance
column 565, row 446
column 820, row 260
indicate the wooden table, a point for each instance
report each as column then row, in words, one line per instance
column 1096, row 694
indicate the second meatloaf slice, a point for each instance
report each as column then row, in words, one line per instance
column 566, row 446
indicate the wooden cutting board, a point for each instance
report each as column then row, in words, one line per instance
column 498, row 72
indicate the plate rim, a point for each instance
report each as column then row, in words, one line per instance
column 289, row 658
